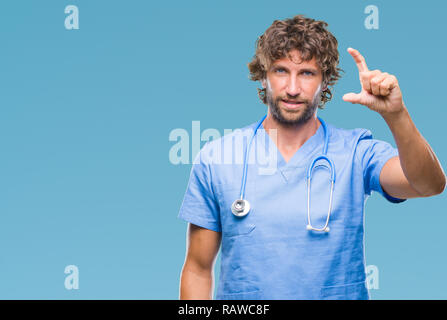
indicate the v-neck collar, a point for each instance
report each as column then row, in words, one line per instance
column 299, row 158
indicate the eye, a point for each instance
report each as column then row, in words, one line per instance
column 309, row 73
column 280, row 70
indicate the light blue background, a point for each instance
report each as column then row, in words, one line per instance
column 86, row 115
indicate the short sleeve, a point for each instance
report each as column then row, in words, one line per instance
column 373, row 155
column 199, row 205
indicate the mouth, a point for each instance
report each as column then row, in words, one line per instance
column 290, row 104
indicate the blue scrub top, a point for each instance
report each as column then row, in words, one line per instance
column 269, row 254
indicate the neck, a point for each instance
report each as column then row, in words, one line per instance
column 291, row 138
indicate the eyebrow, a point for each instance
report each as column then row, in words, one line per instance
column 278, row 66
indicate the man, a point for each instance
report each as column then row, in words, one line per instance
column 276, row 250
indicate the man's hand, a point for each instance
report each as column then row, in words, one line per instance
column 380, row 90
column 417, row 171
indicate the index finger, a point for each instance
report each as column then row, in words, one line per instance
column 359, row 60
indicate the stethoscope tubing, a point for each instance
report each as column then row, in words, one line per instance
column 322, row 156
column 244, row 174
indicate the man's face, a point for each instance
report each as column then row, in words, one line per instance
column 293, row 89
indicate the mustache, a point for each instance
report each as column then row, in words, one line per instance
column 291, row 100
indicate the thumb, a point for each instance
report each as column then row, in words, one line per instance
column 352, row 97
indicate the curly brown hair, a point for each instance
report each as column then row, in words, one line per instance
column 309, row 37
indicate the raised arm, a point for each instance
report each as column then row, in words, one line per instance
column 416, row 172
column 196, row 282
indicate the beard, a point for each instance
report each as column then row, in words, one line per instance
column 293, row 118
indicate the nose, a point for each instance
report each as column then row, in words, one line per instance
column 293, row 87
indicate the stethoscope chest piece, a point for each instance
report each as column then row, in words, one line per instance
column 240, row 207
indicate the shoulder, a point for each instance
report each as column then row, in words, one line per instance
column 348, row 136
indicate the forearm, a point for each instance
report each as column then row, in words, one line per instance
column 418, row 161
column 196, row 285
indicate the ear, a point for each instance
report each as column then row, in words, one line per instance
column 263, row 82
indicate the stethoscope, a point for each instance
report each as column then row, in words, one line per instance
column 241, row 207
